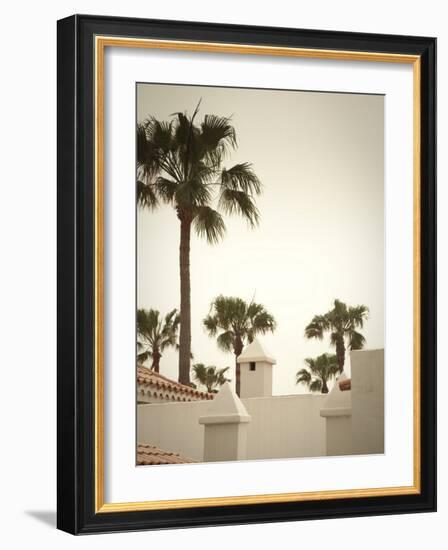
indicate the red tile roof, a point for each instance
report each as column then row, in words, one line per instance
column 148, row 377
column 346, row 384
column 148, row 454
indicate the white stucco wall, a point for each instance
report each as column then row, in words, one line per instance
column 285, row 426
column 355, row 418
column 173, row 426
column 367, row 401
column 281, row 427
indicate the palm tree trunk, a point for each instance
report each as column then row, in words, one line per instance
column 340, row 353
column 238, row 348
column 156, row 361
column 185, row 301
column 324, row 386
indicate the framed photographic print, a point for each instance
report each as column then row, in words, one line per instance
column 246, row 274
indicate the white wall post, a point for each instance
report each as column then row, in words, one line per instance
column 225, row 427
column 337, row 411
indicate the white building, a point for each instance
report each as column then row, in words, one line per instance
column 348, row 420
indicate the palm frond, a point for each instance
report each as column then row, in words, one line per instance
column 166, row 189
column 211, row 377
column 209, row 224
column 211, row 324
column 146, row 195
column 340, row 308
column 310, row 363
column 192, row 193
column 172, row 319
column 217, row 133
column 316, row 385
column 144, row 356
column 147, row 322
column 200, row 373
column 316, row 328
column 226, row 340
column 156, row 334
column 220, row 376
column 263, row 322
column 182, row 131
column 238, row 321
column 202, row 173
column 356, row 340
column 147, row 157
column 319, row 370
column 160, row 134
column 232, row 201
column 241, row 177
column 303, row 376
column 357, row 315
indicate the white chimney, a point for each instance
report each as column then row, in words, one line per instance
column 256, row 371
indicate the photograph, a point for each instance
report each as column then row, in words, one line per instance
column 246, row 273
column 260, row 261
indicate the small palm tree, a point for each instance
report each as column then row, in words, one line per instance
column 239, row 322
column 155, row 335
column 180, row 163
column 210, row 377
column 318, row 372
column 341, row 322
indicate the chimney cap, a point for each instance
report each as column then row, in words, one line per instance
column 255, row 352
column 226, row 408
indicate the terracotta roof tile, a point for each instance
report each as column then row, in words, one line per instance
column 148, row 377
column 148, row 454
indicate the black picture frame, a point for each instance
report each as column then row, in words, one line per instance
column 76, row 289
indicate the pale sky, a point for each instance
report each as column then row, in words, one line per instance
column 320, row 158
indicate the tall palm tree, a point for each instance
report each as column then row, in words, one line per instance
column 210, row 377
column 318, row 372
column 180, row 163
column 239, row 322
column 341, row 322
column 155, row 334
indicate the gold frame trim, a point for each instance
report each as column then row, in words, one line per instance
column 101, row 42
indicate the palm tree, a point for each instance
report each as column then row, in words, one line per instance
column 180, row 163
column 155, row 335
column 318, row 372
column 210, row 377
column 239, row 322
column 341, row 322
